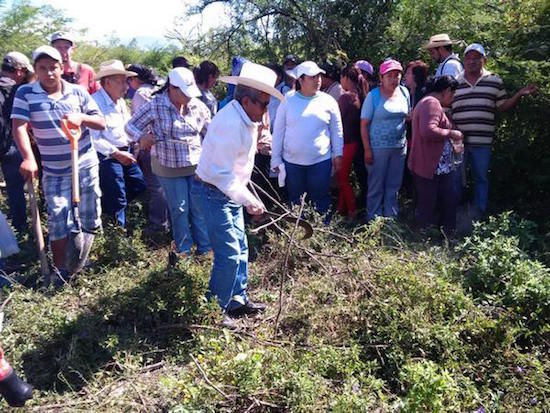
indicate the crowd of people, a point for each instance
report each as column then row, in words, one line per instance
column 301, row 123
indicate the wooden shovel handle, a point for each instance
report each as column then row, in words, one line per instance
column 73, row 135
column 37, row 228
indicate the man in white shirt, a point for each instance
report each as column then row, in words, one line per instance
column 440, row 48
column 223, row 173
column 120, row 178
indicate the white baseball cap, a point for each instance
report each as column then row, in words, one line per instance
column 183, row 79
column 46, row 51
column 307, row 68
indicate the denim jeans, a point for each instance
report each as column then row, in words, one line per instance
column 188, row 223
column 225, row 224
column 479, row 157
column 158, row 208
column 313, row 179
column 385, row 175
column 119, row 186
column 11, row 161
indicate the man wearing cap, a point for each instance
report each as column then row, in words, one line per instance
column 73, row 72
column 479, row 95
column 16, row 70
column 120, row 177
column 224, row 171
column 440, row 48
column 330, row 80
column 173, row 124
column 43, row 104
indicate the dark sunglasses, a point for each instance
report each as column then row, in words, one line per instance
column 262, row 104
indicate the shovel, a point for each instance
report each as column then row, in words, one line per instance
column 80, row 242
column 38, row 236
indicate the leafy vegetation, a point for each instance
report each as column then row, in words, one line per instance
column 373, row 318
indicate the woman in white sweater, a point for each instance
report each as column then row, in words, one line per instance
column 308, row 139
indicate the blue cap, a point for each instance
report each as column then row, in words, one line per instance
column 476, row 47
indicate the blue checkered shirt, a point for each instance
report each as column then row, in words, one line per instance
column 178, row 138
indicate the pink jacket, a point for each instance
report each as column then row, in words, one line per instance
column 430, row 128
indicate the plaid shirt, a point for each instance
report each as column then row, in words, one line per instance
column 178, row 138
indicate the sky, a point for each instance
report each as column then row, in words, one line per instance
column 148, row 22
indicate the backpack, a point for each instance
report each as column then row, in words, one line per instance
column 6, row 103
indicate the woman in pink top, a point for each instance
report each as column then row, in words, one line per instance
column 435, row 154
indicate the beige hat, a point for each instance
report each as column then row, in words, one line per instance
column 256, row 77
column 113, row 67
column 438, row 40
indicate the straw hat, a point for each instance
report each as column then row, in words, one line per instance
column 438, row 40
column 256, row 77
column 113, row 67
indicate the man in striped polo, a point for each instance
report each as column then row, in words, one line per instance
column 42, row 105
column 480, row 94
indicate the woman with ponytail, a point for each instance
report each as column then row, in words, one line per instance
column 435, row 153
column 355, row 89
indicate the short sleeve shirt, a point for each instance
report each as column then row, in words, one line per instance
column 387, row 118
column 32, row 104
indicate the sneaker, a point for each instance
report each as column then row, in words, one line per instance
column 250, row 308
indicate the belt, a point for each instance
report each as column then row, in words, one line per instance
column 123, row 148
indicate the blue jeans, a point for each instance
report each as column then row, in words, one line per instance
column 188, row 224
column 478, row 157
column 313, row 179
column 158, row 209
column 385, row 175
column 225, row 223
column 119, row 186
column 11, row 161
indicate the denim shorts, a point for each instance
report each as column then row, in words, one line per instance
column 58, row 197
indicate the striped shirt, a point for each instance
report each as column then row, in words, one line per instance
column 474, row 107
column 178, row 138
column 32, row 104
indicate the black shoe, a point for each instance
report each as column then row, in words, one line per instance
column 229, row 322
column 250, row 308
column 15, row 391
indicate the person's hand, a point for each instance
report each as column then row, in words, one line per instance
column 276, row 169
column 124, row 158
column 456, row 135
column 146, row 141
column 337, row 163
column 368, row 156
column 255, row 209
column 28, row 169
column 528, row 90
column 74, row 119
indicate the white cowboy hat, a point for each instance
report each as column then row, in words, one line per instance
column 113, row 67
column 438, row 40
column 256, row 77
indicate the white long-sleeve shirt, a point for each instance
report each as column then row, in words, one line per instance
column 307, row 130
column 116, row 115
column 228, row 151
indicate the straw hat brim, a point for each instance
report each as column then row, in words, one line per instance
column 252, row 83
column 431, row 45
column 112, row 72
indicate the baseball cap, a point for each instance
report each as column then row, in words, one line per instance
column 307, row 68
column 477, row 48
column 17, row 60
column 389, row 65
column 289, row 58
column 62, row 36
column 183, row 79
column 46, row 51
column 364, row 66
